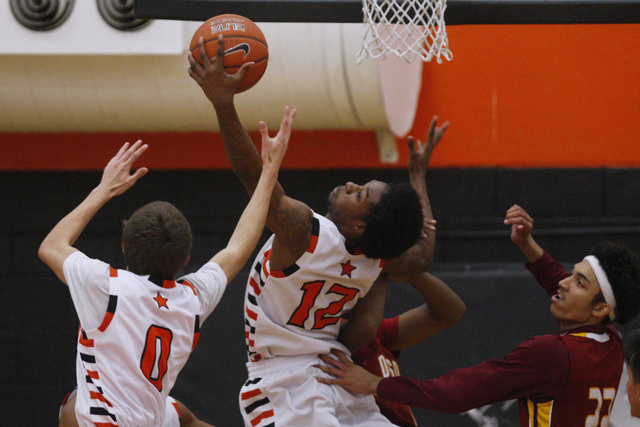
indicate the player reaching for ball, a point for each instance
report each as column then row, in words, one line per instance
column 138, row 326
column 312, row 270
column 243, row 42
column 441, row 306
column 569, row 379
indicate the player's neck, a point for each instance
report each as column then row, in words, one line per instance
column 567, row 325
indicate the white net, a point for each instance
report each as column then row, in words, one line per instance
column 408, row 28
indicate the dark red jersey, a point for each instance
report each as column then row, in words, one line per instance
column 377, row 358
column 563, row 380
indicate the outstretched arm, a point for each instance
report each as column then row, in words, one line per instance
column 116, row 179
column 220, row 87
column 251, row 224
column 289, row 219
column 418, row 258
column 539, row 366
column 442, row 309
column 547, row 271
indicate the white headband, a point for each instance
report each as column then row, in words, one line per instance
column 605, row 286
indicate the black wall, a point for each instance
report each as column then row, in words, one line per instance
column 573, row 209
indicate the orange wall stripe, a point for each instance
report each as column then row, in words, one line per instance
column 536, row 96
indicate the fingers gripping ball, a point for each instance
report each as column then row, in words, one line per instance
column 243, row 42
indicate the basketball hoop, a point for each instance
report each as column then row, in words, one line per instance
column 408, row 28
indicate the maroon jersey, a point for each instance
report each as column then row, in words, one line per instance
column 563, row 380
column 587, row 399
column 377, row 358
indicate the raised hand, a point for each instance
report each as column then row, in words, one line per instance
column 419, row 158
column 117, row 177
column 521, row 224
column 274, row 149
column 216, row 83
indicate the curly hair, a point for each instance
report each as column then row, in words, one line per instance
column 394, row 223
column 622, row 267
column 157, row 240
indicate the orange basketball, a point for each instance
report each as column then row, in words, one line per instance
column 243, row 42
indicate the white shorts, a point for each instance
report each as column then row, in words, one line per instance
column 283, row 391
column 172, row 417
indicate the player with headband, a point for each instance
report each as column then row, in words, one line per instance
column 567, row 379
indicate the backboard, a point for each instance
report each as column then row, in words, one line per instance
column 458, row 12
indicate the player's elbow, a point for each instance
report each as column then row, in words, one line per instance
column 457, row 313
column 446, row 318
column 45, row 252
column 423, row 264
column 418, row 265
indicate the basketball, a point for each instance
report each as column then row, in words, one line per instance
column 243, row 42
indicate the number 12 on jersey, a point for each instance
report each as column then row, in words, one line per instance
column 324, row 315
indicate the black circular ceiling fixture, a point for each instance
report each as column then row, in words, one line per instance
column 41, row 15
column 120, row 15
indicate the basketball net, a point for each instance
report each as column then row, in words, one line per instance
column 408, row 28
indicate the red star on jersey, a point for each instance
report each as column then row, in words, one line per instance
column 162, row 301
column 347, row 268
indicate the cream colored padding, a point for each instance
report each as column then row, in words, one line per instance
column 312, row 67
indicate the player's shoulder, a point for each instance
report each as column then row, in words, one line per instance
column 325, row 230
column 543, row 341
column 210, row 274
column 79, row 257
column 544, row 347
column 546, row 355
column 80, row 265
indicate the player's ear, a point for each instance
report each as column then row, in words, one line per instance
column 187, row 260
column 601, row 309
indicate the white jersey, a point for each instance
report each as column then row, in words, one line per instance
column 297, row 311
column 127, row 365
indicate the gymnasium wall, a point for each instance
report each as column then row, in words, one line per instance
column 543, row 116
column 537, row 96
column 573, row 209
column 515, row 95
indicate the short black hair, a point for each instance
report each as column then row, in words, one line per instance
column 394, row 223
column 622, row 267
column 632, row 353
